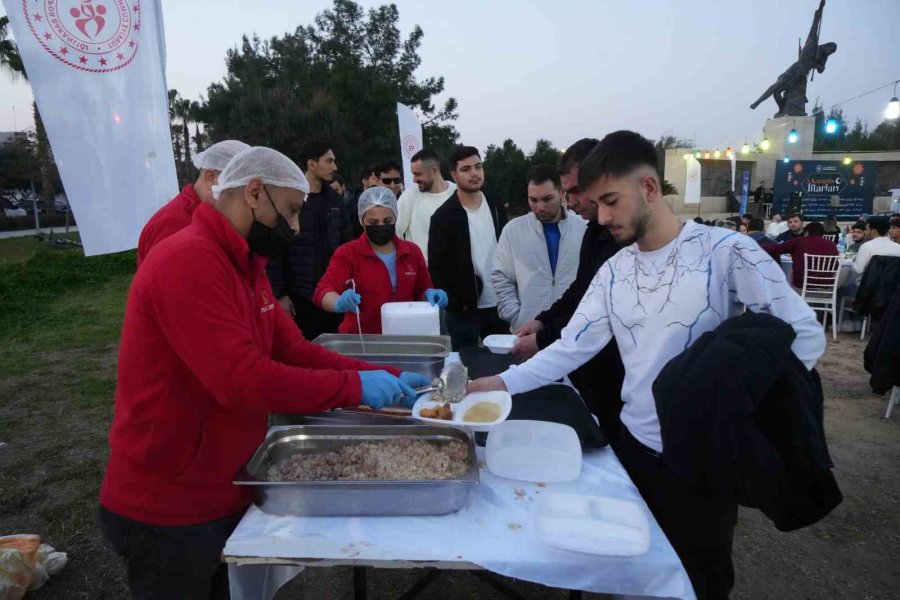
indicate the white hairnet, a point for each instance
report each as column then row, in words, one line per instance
column 376, row 196
column 217, row 156
column 259, row 162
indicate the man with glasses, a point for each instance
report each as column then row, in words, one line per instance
column 390, row 176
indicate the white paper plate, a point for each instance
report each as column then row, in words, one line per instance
column 591, row 524
column 459, row 409
column 500, row 344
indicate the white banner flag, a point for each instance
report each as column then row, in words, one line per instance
column 692, row 181
column 410, row 140
column 733, row 167
column 97, row 71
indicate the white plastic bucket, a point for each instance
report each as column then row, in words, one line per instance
column 410, row 318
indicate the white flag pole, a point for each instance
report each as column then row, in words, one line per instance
column 97, row 71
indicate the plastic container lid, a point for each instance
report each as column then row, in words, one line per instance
column 410, row 318
column 591, row 524
column 534, row 451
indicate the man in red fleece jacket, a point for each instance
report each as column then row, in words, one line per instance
column 205, row 355
column 177, row 213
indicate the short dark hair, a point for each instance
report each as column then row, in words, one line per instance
column 388, row 165
column 462, row 153
column 894, row 221
column 367, row 172
column 618, row 154
column 880, row 224
column 814, row 228
column 698, row 220
column 792, row 215
column 576, row 153
column 859, row 225
column 747, row 216
column 426, row 155
column 539, row 174
column 756, row 224
column 313, row 150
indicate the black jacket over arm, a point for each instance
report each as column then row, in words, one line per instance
column 882, row 356
column 741, row 415
column 324, row 225
column 450, row 253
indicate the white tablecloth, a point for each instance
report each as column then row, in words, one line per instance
column 492, row 532
column 787, row 265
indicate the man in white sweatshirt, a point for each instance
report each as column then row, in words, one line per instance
column 656, row 296
column 537, row 254
column 418, row 203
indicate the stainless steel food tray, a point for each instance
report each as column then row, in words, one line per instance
column 354, row 498
column 423, row 354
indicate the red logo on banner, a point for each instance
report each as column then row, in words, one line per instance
column 97, row 36
column 410, row 145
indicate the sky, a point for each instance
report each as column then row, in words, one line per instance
column 567, row 69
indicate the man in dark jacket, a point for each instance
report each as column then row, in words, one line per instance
column 600, row 380
column 324, row 225
column 462, row 239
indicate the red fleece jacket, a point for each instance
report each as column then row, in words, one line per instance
column 171, row 218
column 206, row 354
column 357, row 260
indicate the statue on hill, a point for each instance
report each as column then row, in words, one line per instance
column 789, row 90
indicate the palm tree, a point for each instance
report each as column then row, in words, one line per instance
column 11, row 63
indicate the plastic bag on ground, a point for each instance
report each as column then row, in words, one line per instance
column 47, row 562
column 17, row 558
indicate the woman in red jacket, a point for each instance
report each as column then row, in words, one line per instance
column 383, row 267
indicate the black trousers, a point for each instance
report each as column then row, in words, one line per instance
column 171, row 563
column 465, row 328
column 699, row 524
column 312, row 320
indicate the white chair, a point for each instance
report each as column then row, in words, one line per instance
column 847, row 306
column 820, row 286
column 894, row 399
column 832, row 237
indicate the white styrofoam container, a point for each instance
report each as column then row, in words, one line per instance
column 410, row 318
column 500, row 344
column 591, row 524
column 503, row 399
column 534, row 451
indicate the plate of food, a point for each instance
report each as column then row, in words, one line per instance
column 478, row 411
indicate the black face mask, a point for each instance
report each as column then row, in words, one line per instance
column 269, row 241
column 380, row 235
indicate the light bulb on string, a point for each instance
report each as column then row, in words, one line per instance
column 728, row 152
column 831, row 126
column 893, row 109
column 764, row 144
column 793, row 137
column 717, row 154
column 786, row 159
column 745, row 149
column 847, row 160
column 706, row 156
column 698, row 154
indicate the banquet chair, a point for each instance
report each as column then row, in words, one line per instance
column 832, row 237
column 847, row 305
column 820, row 286
column 894, row 399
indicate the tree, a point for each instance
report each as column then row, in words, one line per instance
column 11, row 63
column 339, row 79
column 506, row 172
column 858, row 138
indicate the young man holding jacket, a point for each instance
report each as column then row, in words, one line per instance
column 461, row 244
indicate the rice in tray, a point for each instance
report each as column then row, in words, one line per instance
column 389, row 460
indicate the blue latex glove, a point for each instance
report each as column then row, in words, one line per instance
column 413, row 380
column 380, row 389
column 348, row 302
column 437, row 297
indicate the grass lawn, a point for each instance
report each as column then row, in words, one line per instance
column 60, row 318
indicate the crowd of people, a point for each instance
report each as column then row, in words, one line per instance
column 600, row 281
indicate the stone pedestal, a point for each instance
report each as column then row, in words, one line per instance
column 777, row 130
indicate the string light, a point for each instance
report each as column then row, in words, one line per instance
column 764, row 144
column 745, row 149
column 698, row 154
column 706, row 155
column 793, row 137
column 717, row 154
column 787, row 158
column 893, row 108
column 831, row 126
column 847, row 160
column 728, row 152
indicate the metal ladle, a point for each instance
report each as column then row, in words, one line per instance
column 451, row 384
column 352, row 284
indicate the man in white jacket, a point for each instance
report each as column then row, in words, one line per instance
column 537, row 254
column 418, row 202
column 669, row 285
